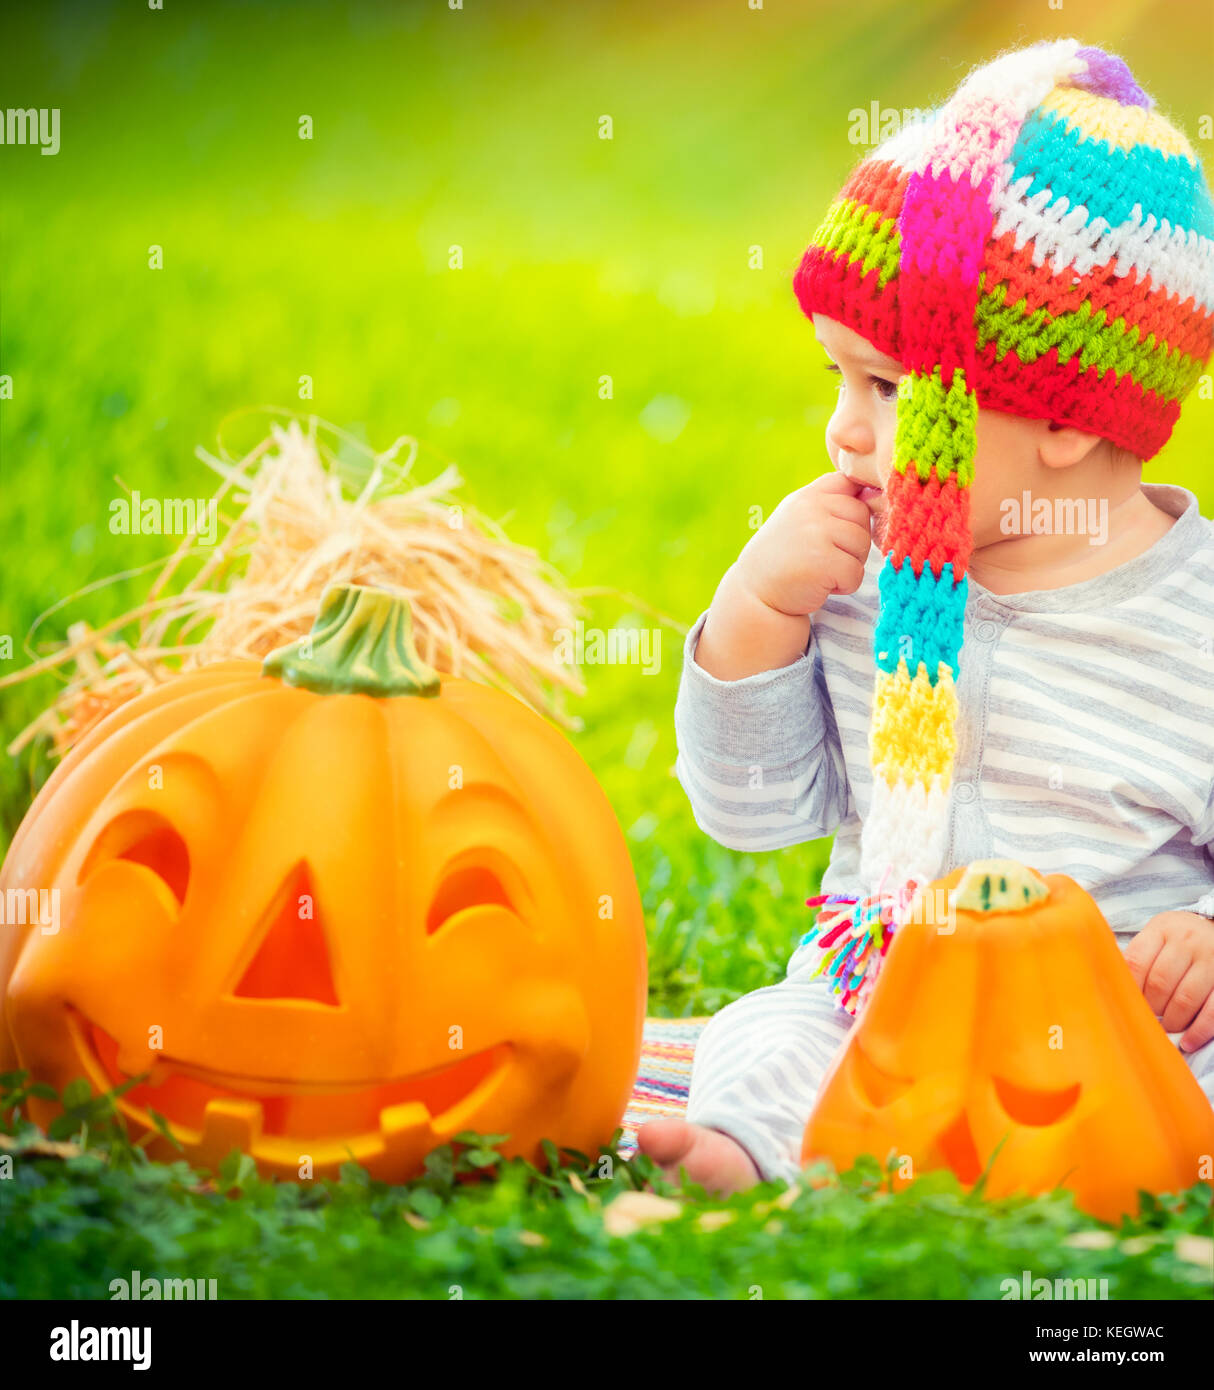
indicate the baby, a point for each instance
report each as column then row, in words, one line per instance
column 1016, row 294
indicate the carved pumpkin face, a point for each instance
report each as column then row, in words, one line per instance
column 1022, row 1025
column 331, row 924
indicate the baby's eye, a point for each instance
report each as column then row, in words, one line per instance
column 887, row 391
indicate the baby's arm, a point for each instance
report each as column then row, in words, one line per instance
column 759, row 752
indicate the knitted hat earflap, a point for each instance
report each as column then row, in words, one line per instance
column 921, row 253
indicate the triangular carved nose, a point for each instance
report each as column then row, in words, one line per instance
column 292, row 961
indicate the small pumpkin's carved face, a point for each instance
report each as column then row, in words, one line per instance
column 330, row 925
column 1021, row 1031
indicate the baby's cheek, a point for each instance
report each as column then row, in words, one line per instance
column 884, row 456
column 987, row 509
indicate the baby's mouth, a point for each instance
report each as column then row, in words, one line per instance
column 868, row 493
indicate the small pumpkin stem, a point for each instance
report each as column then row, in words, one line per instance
column 360, row 644
column 999, row 885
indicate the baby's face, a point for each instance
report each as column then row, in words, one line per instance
column 860, row 435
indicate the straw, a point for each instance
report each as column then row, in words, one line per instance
column 295, row 517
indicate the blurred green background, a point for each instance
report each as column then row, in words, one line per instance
column 328, row 257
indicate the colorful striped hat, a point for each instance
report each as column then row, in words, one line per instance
column 1041, row 244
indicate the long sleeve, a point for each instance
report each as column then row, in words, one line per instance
column 1203, row 834
column 759, row 758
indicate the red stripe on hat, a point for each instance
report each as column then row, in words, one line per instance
column 829, row 284
column 1116, row 409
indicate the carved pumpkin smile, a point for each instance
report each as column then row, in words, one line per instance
column 189, row 1096
column 334, row 907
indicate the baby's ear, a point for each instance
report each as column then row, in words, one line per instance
column 1062, row 446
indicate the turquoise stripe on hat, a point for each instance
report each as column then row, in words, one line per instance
column 1108, row 181
column 921, row 618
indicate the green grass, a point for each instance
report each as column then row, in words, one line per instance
column 476, row 1226
column 582, row 258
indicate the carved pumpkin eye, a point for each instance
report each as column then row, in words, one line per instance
column 465, row 886
column 147, row 839
column 1032, row 1107
column 881, row 1087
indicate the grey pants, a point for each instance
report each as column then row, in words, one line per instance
column 760, row 1061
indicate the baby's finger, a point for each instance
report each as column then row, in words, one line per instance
column 856, row 540
column 1201, row 1030
column 849, row 509
column 834, row 482
column 1141, row 952
column 1166, row 973
column 1189, row 997
column 849, row 575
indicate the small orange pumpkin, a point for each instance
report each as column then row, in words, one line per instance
column 1010, row 1022
column 338, row 907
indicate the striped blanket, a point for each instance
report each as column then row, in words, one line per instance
column 664, row 1074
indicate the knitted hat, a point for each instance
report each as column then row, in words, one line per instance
column 1041, row 244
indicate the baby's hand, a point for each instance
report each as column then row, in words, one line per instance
column 813, row 545
column 1172, row 961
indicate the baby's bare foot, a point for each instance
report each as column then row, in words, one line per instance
column 718, row 1163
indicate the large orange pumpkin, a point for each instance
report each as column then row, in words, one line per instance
column 337, row 907
column 1018, row 1025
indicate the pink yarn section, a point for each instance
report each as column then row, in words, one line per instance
column 944, row 227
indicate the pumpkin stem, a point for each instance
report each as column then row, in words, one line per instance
column 999, row 885
column 360, row 644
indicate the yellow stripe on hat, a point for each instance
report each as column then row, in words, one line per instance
column 1122, row 127
column 913, row 737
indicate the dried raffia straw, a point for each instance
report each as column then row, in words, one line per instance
column 294, row 518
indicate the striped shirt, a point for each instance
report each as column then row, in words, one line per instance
column 1085, row 740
